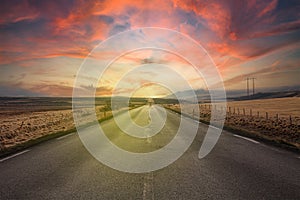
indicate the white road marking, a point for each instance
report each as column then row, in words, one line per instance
column 14, row 155
column 62, row 137
column 245, row 138
column 215, row 127
column 148, row 192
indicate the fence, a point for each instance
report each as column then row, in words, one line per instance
column 249, row 113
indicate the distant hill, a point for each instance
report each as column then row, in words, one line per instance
column 204, row 96
column 268, row 95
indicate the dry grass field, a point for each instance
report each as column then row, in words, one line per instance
column 272, row 119
column 17, row 128
column 27, row 119
column 282, row 123
column 284, row 107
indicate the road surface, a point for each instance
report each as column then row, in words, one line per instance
column 237, row 168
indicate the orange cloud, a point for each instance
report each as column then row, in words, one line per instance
column 216, row 16
column 233, row 32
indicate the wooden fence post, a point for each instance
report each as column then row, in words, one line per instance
column 277, row 117
column 257, row 113
column 250, row 112
column 267, row 115
column 291, row 120
column 244, row 111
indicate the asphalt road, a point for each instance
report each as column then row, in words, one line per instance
column 237, row 168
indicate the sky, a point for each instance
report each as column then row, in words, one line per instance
column 44, row 43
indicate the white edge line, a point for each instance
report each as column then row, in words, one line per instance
column 245, row 138
column 62, row 137
column 215, row 127
column 14, row 155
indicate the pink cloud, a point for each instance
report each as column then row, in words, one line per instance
column 18, row 12
column 232, row 31
column 268, row 8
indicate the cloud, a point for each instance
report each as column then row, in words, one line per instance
column 52, row 90
column 119, row 28
column 15, row 91
column 100, row 90
column 276, row 68
column 233, row 32
column 268, row 8
column 279, row 29
column 16, row 11
column 77, row 23
column 216, row 16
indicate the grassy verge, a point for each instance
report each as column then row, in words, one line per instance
column 11, row 150
column 279, row 142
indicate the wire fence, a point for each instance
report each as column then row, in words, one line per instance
column 284, row 128
column 250, row 114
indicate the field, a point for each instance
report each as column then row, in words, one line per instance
column 284, row 107
column 275, row 120
column 18, row 128
column 27, row 119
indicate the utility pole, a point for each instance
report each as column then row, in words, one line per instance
column 247, row 86
column 253, row 85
